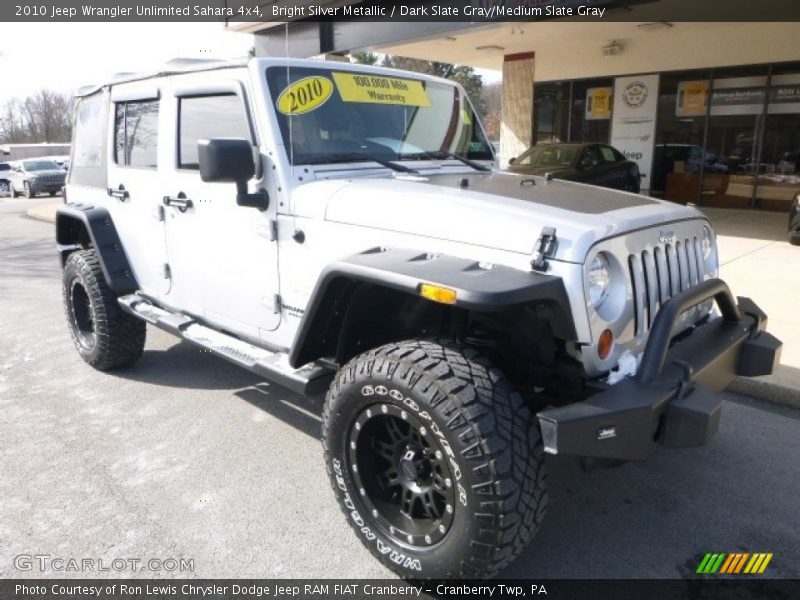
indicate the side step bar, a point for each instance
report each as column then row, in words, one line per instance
column 273, row 366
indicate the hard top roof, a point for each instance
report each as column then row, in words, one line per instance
column 180, row 66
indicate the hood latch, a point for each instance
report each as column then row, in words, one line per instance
column 545, row 248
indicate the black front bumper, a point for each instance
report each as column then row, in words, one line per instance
column 672, row 400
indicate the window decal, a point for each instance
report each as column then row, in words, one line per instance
column 377, row 89
column 305, row 95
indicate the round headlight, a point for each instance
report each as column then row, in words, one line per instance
column 599, row 279
column 710, row 252
column 708, row 242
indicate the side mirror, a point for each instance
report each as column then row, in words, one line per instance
column 512, row 160
column 231, row 160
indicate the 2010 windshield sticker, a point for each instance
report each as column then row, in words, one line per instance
column 378, row 89
column 304, row 95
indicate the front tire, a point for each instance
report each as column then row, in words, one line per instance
column 29, row 192
column 104, row 335
column 434, row 459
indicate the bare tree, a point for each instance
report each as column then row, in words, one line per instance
column 45, row 116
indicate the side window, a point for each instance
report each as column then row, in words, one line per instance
column 89, row 141
column 609, row 156
column 136, row 134
column 208, row 117
column 590, row 157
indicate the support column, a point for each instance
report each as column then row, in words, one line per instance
column 516, row 127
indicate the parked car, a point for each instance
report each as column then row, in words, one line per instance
column 338, row 227
column 36, row 176
column 596, row 164
column 794, row 221
column 5, row 176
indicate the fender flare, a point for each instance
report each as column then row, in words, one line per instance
column 478, row 287
column 78, row 225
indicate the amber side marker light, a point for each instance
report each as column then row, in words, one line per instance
column 437, row 293
column 605, row 344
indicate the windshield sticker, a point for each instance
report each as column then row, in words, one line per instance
column 377, row 89
column 304, row 95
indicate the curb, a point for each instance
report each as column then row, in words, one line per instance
column 43, row 213
column 766, row 390
column 757, row 388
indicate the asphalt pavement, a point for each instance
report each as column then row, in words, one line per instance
column 184, row 456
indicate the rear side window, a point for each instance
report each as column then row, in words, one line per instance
column 89, row 141
column 136, row 134
column 609, row 155
column 208, row 117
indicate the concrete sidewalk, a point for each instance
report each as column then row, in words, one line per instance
column 757, row 261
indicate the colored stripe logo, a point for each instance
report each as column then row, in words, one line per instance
column 734, row 563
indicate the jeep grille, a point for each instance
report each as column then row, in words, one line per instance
column 660, row 273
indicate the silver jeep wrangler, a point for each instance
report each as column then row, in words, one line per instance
column 339, row 227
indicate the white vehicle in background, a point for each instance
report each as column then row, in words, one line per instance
column 36, row 176
column 339, row 227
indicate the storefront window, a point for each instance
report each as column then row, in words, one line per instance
column 678, row 154
column 590, row 119
column 724, row 137
column 737, row 105
column 779, row 176
column 551, row 112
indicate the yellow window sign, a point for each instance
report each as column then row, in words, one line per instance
column 692, row 99
column 377, row 89
column 598, row 103
column 305, row 95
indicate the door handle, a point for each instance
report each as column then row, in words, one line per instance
column 181, row 202
column 120, row 193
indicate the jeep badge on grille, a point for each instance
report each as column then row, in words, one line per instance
column 666, row 237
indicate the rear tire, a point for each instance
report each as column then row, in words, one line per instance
column 104, row 335
column 434, row 459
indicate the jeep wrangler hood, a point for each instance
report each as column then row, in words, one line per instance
column 505, row 211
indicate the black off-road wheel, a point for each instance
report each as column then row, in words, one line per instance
column 435, row 460
column 105, row 336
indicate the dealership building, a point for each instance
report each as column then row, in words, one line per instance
column 709, row 110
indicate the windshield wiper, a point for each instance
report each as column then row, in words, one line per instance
column 440, row 154
column 356, row 157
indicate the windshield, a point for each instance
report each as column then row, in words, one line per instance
column 328, row 116
column 549, row 156
column 41, row 165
